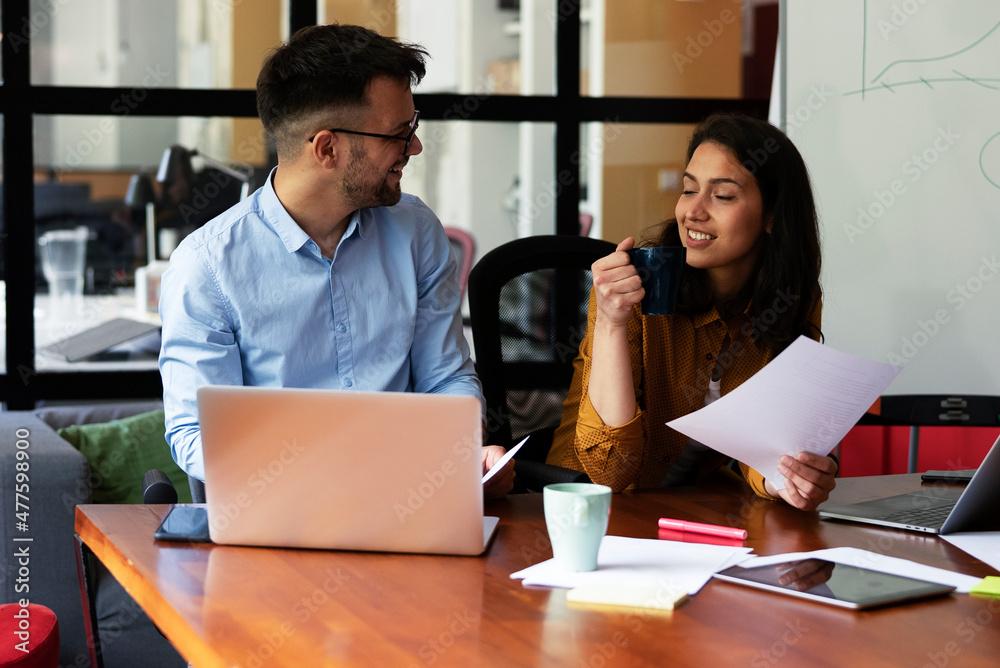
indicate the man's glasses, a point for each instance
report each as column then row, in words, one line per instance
column 407, row 137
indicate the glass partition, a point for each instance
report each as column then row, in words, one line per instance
column 113, row 196
column 633, row 175
column 168, row 43
column 496, row 46
column 707, row 49
column 496, row 181
column 487, row 46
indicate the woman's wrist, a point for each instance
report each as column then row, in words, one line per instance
column 607, row 327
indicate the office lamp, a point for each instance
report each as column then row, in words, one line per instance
column 176, row 163
column 140, row 195
column 179, row 184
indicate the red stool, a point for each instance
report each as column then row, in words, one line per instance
column 30, row 636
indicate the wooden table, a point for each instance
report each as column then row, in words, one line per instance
column 230, row 606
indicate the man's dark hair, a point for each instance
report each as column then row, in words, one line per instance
column 323, row 68
column 790, row 258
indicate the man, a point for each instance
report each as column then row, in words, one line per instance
column 327, row 276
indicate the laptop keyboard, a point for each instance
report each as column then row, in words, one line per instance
column 928, row 518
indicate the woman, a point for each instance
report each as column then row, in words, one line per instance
column 751, row 286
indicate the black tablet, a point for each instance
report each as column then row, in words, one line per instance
column 834, row 584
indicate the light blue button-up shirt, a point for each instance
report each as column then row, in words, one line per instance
column 249, row 299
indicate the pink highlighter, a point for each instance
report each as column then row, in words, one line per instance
column 706, row 529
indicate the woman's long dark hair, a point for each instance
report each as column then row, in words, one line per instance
column 785, row 289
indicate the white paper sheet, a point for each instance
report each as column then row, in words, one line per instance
column 983, row 545
column 873, row 561
column 642, row 562
column 503, row 460
column 806, row 398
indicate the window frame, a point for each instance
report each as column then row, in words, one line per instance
column 21, row 387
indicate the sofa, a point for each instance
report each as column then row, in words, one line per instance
column 61, row 475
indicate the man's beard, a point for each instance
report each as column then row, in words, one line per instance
column 361, row 187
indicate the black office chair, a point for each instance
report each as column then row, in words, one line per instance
column 157, row 488
column 528, row 307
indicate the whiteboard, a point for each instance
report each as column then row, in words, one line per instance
column 895, row 106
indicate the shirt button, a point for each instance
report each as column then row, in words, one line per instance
column 341, row 328
column 348, row 382
column 708, row 356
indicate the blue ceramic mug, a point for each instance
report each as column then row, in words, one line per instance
column 660, row 269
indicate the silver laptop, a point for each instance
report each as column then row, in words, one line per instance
column 327, row 469
column 937, row 509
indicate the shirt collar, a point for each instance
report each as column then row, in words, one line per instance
column 712, row 315
column 359, row 223
column 291, row 235
column 706, row 318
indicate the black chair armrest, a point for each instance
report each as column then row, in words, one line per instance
column 197, row 490
column 157, row 488
column 533, row 476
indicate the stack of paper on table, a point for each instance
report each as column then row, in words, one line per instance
column 642, row 562
column 652, row 573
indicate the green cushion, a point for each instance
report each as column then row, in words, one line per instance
column 121, row 451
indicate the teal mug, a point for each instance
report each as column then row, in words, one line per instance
column 576, row 516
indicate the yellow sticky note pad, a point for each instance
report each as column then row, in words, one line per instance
column 656, row 598
column 990, row 586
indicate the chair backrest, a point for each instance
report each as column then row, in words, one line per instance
column 932, row 410
column 528, row 306
column 464, row 246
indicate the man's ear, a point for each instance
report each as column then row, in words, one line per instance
column 769, row 223
column 328, row 149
